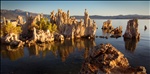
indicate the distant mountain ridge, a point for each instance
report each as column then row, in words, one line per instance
column 117, row 17
column 12, row 14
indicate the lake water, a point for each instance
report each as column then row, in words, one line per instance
column 67, row 57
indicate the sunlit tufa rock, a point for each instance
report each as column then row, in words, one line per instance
column 107, row 25
column 132, row 29
column 12, row 39
column 105, row 58
column 71, row 28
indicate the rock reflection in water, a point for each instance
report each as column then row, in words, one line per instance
column 12, row 53
column 62, row 49
column 130, row 44
column 35, row 49
column 106, row 32
column 86, row 45
column 69, row 46
column 59, row 49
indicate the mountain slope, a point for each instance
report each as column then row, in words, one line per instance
column 12, row 14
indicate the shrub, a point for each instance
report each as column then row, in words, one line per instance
column 44, row 24
column 9, row 28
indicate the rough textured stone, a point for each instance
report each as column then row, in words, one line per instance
column 42, row 36
column 117, row 32
column 107, row 25
column 58, row 37
column 70, row 27
column 106, row 59
column 20, row 20
column 132, row 29
column 12, row 39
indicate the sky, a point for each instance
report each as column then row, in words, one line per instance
column 105, row 8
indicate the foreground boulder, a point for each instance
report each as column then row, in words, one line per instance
column 106, row 59
column 132, row 29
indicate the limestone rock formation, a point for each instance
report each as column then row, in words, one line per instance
column 90, row 27
column 12, row 39
column 25, row 28
column 4, row 20
column 107, row 25
column 79, row 29
column 20, row 20
column 132, row 29
column 42, row 36
column 58, row 37
column 52, row 18
column 117, row 32
column 113, row 33
column 69, row 31
column 28, row 26
column 105, row 58
column 70, row 27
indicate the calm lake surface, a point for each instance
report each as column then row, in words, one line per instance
column 67, row 57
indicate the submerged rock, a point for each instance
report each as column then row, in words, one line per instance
column 105, row 58
column 132, row 29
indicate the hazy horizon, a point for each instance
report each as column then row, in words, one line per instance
column 77, row 8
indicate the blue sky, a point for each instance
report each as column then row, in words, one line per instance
column 105, row 8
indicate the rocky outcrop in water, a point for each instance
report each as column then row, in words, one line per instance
column 58, row 37
column 18, row 21
column 132, row 29
column 70, row 27
column 113, row 33
column 145, row 28
column 42, row 36
column 29, row 21
column 105, row 58
column 12, row 39
column 107, row 25
column 109, row 30
column 117, row 32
